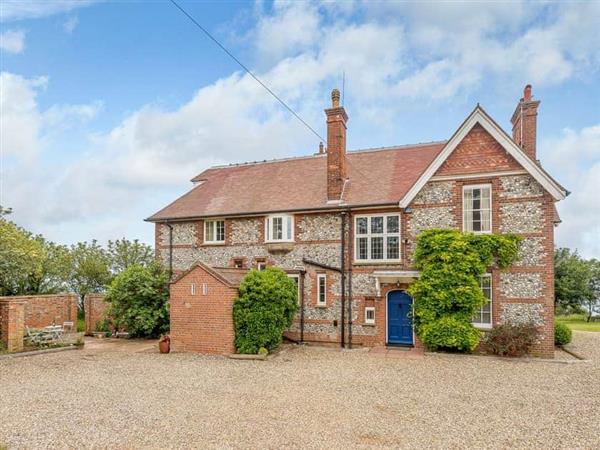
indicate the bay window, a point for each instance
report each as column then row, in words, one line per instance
column 279, row 228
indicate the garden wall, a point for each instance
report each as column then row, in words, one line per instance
column 44, row 310
column 95, row 311
column 11, row 324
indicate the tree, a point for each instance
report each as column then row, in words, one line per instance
column 572, row 276
column 21, row 257
column 5, row 211
column 56, row 269
column 593, row 301
column 90, row 269
column 138, row 300
column 124, row 253
column 266, row 306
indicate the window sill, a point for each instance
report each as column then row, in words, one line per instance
column 368, row 324
column 212, row 244
column 376, row 262
column 321, row 306
column 483, row 326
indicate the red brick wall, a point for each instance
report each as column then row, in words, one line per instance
column 478, row 152
column 12, row 323
column 202, row 323
column 95, row 311
column 44, row 310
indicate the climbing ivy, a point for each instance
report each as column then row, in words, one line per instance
column 447, row 293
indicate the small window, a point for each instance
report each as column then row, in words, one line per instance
column 193, row 289
column 377, row 238
column 214, row 231
column 477, row 208
column 238, row 263
column 483, row 318
column 296, row 279
column 321, row 290
column 279, row 228
column 261, row 265
column 370, row 315
column 204, row 289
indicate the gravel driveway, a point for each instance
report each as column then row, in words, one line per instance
column 132, row 397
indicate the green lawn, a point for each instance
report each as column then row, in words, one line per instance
column 577, row 322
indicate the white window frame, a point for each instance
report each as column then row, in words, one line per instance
column 285, row 218
column 261, row 265
column 297, row 278
column 367, row 320
column 321, row 276
column 193, row 289
column 213, row 223
column 477, row 186
column 479, row 324
column 384, row 235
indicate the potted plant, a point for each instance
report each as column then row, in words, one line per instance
column 164, row 344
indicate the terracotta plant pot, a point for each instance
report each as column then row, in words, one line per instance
column 164, row 345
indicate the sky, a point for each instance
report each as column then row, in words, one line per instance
column 109, row 108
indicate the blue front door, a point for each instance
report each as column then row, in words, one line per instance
column 399, row 317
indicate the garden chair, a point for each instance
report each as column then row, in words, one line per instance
column 69, row 325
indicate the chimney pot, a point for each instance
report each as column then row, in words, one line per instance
column 335, row 98
column 321, row 150
column 527, row 93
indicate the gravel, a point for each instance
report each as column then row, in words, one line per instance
column 129, row 396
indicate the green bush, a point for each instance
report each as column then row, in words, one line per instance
column 511, row 339
column 562, row 334
column 450, row 333
column 138, row 301
column 265, row 308
column 448, row 294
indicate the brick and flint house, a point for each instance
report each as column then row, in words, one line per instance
column 344, row 224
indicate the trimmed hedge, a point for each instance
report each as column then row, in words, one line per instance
column 562, row 334
column 266, row 306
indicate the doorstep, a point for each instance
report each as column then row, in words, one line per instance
column 396, row 352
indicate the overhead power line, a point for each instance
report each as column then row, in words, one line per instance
column 195, row 22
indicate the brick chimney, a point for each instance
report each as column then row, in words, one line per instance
column 524, row 122
column 336, row 147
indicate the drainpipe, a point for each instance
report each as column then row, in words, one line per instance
column 301, row 282
column 343, row 279
column 170, row 250
column 350, row 258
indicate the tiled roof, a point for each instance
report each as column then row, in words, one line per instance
column 376, row 177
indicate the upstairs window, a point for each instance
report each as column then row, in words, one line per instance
column 477, row 208
column 377, row 238
column 279, row 228
column 483, row 318
column 214, row 231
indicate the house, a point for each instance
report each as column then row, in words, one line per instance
column 344, row 224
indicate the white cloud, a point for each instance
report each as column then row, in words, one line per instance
column 70, row 24
column 24, row 127
column 33, row 9
column 391, row 58
column 575, row 156
column 12, row 41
